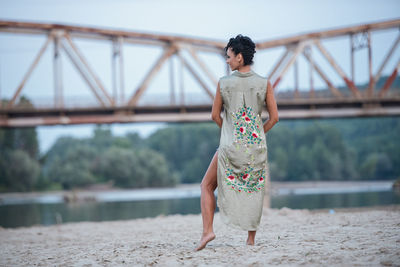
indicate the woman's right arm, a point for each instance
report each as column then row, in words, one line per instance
column 271, row 108
column 216, row 108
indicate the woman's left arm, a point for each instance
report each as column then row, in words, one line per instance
column 271, row 107
column 216, row 108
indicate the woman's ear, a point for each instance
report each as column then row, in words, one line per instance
column 240, row 57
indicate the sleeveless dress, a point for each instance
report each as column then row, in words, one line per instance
column 242, row 153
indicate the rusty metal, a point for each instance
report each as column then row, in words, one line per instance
column 283, row 58
column 389, row 81
column 346, row 31
column 88, row 68
column 288, row 109
column 352, row 65
column 296, row 79
column 371, row 85
column 150, row 75
column 121, row 70
column 127, row 110
column 172, row 82
column 308, row 53
column 118, row 71
column 58, row 84
column 108, row 34
column 339, row 70
column 30, row 70
column 295, row 52
column 84, row 75
column 197, row 77
column 203, row 66
column 387, row 57
column 181, row 84
column 114, row 56
column 330, row 85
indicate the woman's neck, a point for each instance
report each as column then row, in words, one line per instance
column 244, row 68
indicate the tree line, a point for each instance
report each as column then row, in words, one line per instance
column 298, row 150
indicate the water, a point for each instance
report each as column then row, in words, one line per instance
column 28, row 214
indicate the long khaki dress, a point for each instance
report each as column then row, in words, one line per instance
column 242, row 153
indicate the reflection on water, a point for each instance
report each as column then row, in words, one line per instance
column 46, row 214
column 343, row 200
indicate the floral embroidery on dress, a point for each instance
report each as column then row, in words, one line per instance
column 248, row 181
column 247, row 132
column 247, row 129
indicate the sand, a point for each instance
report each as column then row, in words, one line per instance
column 287, row 237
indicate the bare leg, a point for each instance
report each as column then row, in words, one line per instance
column 208, row 186
column 251, row 237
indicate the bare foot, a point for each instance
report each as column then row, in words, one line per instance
column 204, row 240
column 250, row 242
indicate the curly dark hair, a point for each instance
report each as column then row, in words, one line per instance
column 244, row 45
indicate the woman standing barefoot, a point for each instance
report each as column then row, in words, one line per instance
column 240, row 166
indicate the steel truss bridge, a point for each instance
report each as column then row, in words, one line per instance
column 114, row 106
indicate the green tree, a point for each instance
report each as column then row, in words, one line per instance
column 158, row 172
column 183, row 146
column 128, row 168
column 73, row 169
column 20, row 172
column 18, row 156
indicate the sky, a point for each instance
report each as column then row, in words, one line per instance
column 220, row 20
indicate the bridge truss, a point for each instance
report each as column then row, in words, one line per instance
column 114, row 105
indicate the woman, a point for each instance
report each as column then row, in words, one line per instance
column 240, row 166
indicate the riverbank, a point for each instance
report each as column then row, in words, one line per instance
column 287, row 237
column 108, row 194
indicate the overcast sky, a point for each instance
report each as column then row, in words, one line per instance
column 261, row 20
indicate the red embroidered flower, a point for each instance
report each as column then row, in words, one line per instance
column 247, row 119
column 245, row 176
column 242, row 129
column 254, row 135
column 261, row 179
column 243, row 114
column 231, row 177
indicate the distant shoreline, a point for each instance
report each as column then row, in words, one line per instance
column 106, row 194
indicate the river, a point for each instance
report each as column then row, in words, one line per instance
column 27, row 209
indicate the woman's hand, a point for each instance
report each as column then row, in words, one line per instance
column 216, row 108
column 271, row 108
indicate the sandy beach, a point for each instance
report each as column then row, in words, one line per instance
column 287, row 237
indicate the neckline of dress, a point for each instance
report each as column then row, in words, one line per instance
column 243, row 74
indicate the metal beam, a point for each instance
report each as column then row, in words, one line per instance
column 197, row 77
column 330, row 85
column 89, row 69
column 296, row 51
column 338, row 69
column 111, row 110
column 30, row 70
column 387, row 57
column 329, row 33
column 106, row 34
column 81, row 70
column 191, row 117
column 150, row 75
column 389, row 81
column 202, row 66
column 288, row 109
